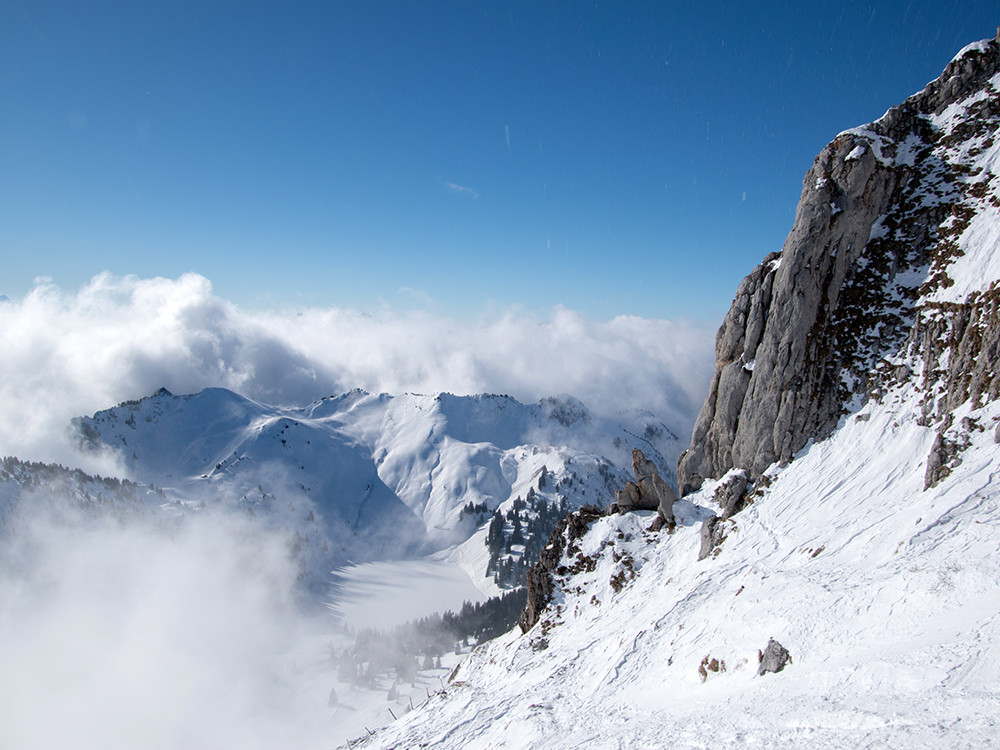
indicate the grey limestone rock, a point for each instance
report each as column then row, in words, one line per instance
column 713, row 533
column 730, row 494
column 809, row 329
column 648, row 492
column 773, row 658
column 656, row 492
column 628, row 498
column 937, row 462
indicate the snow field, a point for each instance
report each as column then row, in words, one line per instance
column 382, row 595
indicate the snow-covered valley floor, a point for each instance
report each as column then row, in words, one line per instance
column 382, row 595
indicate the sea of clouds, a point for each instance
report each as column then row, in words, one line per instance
column 66, row 354
column 186, row 632
column 139, row 635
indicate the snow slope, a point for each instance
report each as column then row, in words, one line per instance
column 886, row 595
column 304, row 479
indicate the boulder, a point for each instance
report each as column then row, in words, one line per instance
column 773, row 658
column 628, row 498
column 713, row 532
column 731, row 493
column 653, row 492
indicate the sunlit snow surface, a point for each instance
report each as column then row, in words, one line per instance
column 886, row 595
column 362, row 477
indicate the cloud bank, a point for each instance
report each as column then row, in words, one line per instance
column 128, row 635
column 183, row 632
column 65, row 354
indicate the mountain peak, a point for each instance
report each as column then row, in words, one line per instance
column 896, row 218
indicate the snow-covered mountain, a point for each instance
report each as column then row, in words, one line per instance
column 851, row 437
column 28, row 487
column 361, row 477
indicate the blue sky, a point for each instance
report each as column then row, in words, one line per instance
column 611, row 157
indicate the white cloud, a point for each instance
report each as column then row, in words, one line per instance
column 125, row 635
column 136, row 635
column 68, row 354
column 456, row 188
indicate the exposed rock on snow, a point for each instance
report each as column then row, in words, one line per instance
column 903, row 264
column 630, row 498
column 710, row 665
column 713, row 532
column 647, row 492
column 653, row 489
column 940, row 461
column 773, row 658
column 730, row 493
column 541, row 578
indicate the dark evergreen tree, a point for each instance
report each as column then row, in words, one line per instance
column 517, row 535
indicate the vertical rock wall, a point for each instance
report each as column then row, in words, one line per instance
column 874, row 233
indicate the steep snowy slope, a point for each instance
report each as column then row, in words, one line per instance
column 886, row 595
column 857, row 389
column 361, row 477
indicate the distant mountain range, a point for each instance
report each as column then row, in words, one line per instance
column 361, row 477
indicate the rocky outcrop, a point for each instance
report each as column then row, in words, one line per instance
column 648, row 492
column 630, row 498
column 540, row 580
column 731, row 494
column 713, row 532
column 813, row 330
column 773, row 658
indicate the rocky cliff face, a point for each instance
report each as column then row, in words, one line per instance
column 888, row 273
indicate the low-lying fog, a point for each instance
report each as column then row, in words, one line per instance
column 188, row 633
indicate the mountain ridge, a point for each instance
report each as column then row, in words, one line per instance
column 360, row 477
